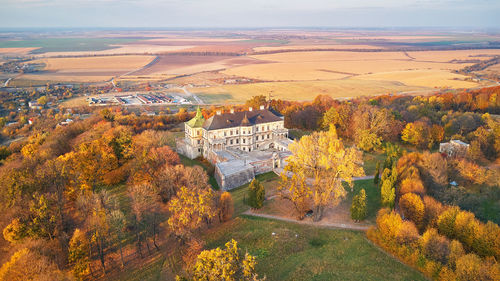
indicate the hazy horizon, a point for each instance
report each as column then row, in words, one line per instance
column 192, row 14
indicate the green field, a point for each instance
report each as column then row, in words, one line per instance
column 67, row 44
column 295, row 252
column 299, row 252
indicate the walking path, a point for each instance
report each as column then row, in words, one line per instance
column 307, row 222
column 279, row 171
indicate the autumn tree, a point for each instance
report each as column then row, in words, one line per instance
column 435, row 246
column 94, row 207
column 256, row 194
column 145, row 207
column 118, row 224
column 413, row 185
column 226, row 207
column 412, row 208
column 189, row 209
column 367, row 141
column 256, row 101
column 433, row 210
column 78, row 254
column 358, row 207
column 321, row 157
column 416, row 133
column 170, row 178
column 225, row 264
column 27, row 264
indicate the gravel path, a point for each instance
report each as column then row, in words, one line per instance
column 307, row 222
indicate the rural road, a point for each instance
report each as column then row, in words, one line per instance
column 6, row 84
column 318, row 224
column 189, row 94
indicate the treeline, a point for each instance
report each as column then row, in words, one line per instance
column 87, row 198
column 441, row 240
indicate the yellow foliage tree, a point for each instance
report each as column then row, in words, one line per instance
column 189, row 209
column 225, row 264
column 318, row 164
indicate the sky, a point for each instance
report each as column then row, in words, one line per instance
column 249, row 13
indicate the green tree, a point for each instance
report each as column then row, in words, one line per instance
column 358, row 207
column 256, row 194
column 376, row 177
column 387, row 190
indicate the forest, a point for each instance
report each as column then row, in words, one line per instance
column 87, row 199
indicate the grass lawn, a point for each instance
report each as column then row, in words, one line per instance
column 299, row 252
column 298, row 133
column 269, row 180
column 371, row 159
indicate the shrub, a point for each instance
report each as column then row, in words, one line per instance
column 358, row 207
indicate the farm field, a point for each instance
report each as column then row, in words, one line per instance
column 65, row 44
column 95, row 63
column 208, row 62
column 303, row 90
column 340, row 64
column 316, row 46
column 190, row 64
column 87, row 69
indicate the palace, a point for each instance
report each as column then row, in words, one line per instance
column 247, row 142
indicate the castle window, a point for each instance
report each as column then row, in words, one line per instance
column 268, row 136
column 243, row 140
column 231, row 132
column 224, row 133
column 237, row 141
column 268, row 127
column 231, row 141
column 256, row 137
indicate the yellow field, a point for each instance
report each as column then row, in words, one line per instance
column 90, row 64
column 423, row 78
column 298, row 66
column 122, row 49
column 312, row 47
column 67, row 78
column 289, row 71
column 19, row 51
column 305, row 90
